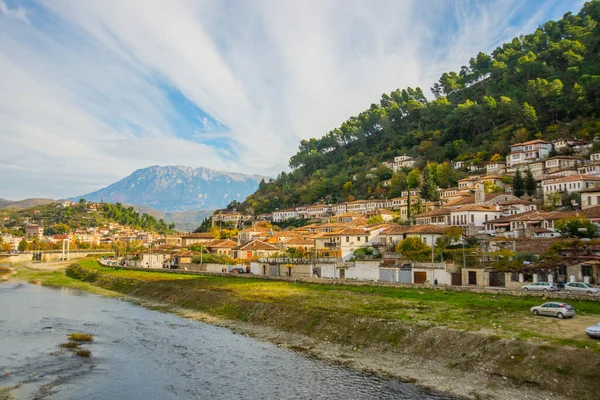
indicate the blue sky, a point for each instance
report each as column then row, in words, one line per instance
column 92, row 90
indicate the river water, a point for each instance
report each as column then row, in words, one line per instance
column 143, row 354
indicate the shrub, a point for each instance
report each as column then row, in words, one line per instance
column 81, row 337
column 83, row 353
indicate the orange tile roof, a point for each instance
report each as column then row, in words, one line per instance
column 432, row 229
column 299, row 242
column 347, row 231
column 256, row 245
column 530, row 142
column 574, row 178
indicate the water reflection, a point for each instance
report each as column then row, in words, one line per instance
column 143, row 354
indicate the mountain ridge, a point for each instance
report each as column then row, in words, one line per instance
column 175, row 188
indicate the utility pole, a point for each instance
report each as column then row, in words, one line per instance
column 432, row 246
column 463, row 246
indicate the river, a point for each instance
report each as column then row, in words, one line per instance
column 144, row 354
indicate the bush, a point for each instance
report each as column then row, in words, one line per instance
column 213, row 259
column 411, row 244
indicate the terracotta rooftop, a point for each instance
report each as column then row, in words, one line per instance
column 256, row 245
column 201, row 235
column 221, row 243
column 396, row 230
column 434, row 213
column 347, row 231
column 574, row 178
column 590, row 190
column 299, row 242
column 529, row 142
column 424, row 229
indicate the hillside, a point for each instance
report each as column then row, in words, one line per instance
column 542, row 85
column 57, row 219
column 185, row 221
column 177, row 188
column 26, row 203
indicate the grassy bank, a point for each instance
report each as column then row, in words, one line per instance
column 492, row 336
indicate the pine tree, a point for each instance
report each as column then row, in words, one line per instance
column 530, row 183
column 429, row 191
column 518, row 184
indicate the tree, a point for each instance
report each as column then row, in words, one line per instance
column 518, row 184
column 429, row 190
column 411, row 244
column 204, row 226
column 375, row 219
column 578, row 227
column 530, row 183
column 553, row 199
column 489, row 187
column 496, row 157
column 23, row 245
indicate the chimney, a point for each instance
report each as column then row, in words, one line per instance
column 479, row 193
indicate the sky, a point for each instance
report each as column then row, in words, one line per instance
column 91, row 90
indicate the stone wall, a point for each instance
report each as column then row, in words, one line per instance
column 342, row 282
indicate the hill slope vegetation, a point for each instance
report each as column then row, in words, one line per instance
column 542, row 85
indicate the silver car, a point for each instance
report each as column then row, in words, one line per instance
column 541, row 286
column 580, row 287
column 558, row 310
column 593, row 331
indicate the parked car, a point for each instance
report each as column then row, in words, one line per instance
column 541, row 286
column 593, row 331
column 558, row 310
column 238, row 271
column 580, row 287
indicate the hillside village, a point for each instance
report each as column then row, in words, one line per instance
column 482, row 212
column 477, row 233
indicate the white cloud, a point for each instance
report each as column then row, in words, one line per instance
column 16, row 13
column 85, row 98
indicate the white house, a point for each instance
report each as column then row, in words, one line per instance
column 497, row 167
column 282, row 215
column 533, row 150
column 473, row 215
column 592, row 168
column 569, row 184
column 554, row 164
column 590, row 197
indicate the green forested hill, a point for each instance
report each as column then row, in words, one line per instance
column 546, row 85
column 59, row 220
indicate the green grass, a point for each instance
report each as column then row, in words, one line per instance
column 237, row 298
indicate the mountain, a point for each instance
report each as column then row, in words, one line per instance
column 178, row 188
column 185, row 221
column 544, row 85
column 26, row 203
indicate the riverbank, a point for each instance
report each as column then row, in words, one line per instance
column 469, row 345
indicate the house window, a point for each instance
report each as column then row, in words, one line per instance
column 586, row 270
column 486, row 217
column 347, row 239
column 589, row 202
column 472, row 278
column 514, row 277
column 358, row 238
column 472, row 218
column 366, row 239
